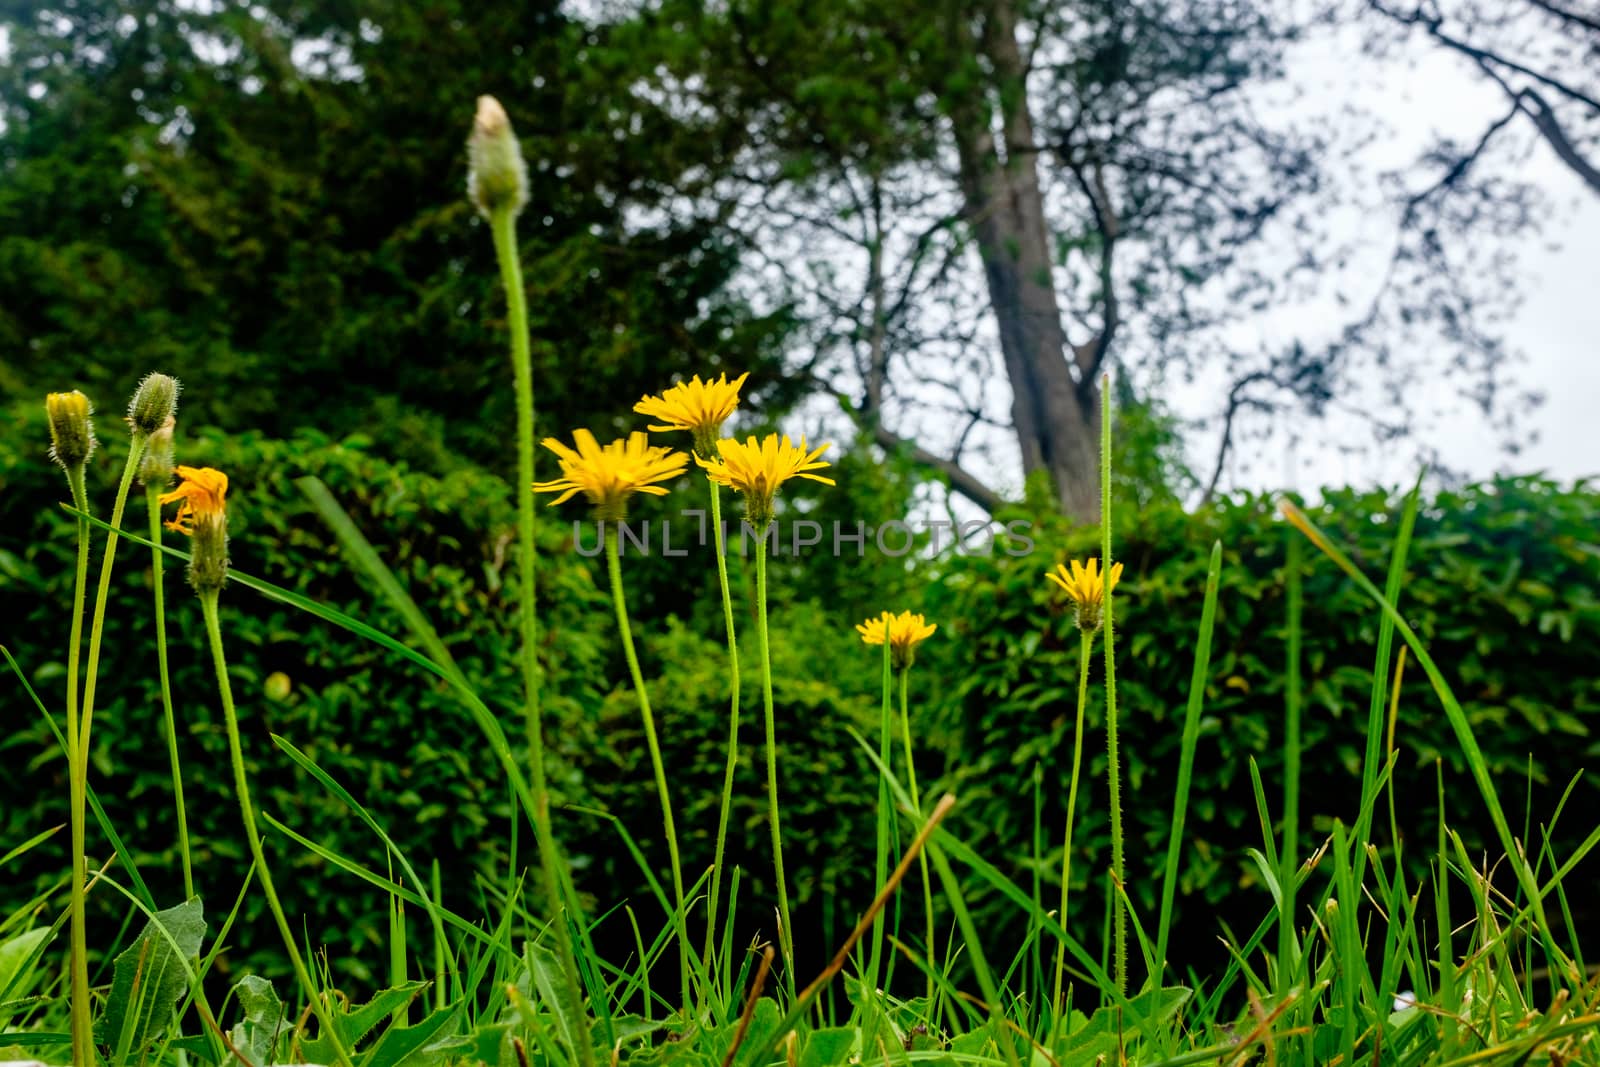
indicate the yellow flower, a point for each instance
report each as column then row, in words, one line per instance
column 758, row 468
column 1087, row 588
column 201, row 492
column 904, row 632
column 697, row 406
column 609, row 475
column 202, row 515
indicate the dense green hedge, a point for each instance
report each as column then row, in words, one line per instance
column 1501, row 584
column 394, row 737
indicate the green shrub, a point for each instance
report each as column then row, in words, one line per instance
column 826, row 787
column 1501, row 585
column 393, row 736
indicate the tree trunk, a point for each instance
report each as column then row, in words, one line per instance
column 1056, row 418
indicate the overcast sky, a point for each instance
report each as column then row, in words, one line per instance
column 1556, row 330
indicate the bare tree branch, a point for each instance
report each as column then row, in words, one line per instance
column 1458, row 170
column 1236, row 401
column 961, row 480
column 1091, row 354
column 1434, row 25
column 1559, row 12
column 1544, row 118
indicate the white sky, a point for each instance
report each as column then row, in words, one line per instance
column 1557, row 328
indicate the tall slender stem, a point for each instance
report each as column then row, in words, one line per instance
column 1085, row 643
column 733, row 722
column 1289, row 853
column 922, row 859
column 1114, row 770
column 614, row 566
column 152, row 496
column 241, row 784
column 503, row 227
column 785, row 931
column 103, row 592
column 78, row 756
column 880, row 857
column 82, row 1025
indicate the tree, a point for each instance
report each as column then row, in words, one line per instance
column 977, row 206
column 1541, row 54
column 272, row 206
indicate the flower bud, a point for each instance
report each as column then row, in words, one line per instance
column 208, row 563
column 155, row 469
column 153, row 403
column 71, row 431
column 497, row 175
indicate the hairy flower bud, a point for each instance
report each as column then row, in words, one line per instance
column 497, row 175
column 71, row 430
column 155, row 469
column 208, row 564
column 153, row 403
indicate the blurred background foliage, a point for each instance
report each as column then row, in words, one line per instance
column 292, row 240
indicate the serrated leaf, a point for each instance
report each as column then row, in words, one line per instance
column 356, row 1024
column 413, row 1046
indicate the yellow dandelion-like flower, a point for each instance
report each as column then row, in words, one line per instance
column 609, row 475
column 904, row 632
column 1086, row 587
column 201, row 494
column 696, row 406
column 759, row 468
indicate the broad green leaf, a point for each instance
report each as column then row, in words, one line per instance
column 552, row 985
column 17, row 963
column 1113, row 1027
column 824, row 1048
column 255, row 1037
column 150, row 976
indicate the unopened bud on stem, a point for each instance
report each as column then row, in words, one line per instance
column 71, row 431
column 153, row 404
column 155, row 469
column 208, row 564
column 497, row 175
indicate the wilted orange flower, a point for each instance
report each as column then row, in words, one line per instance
column 201, row 491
